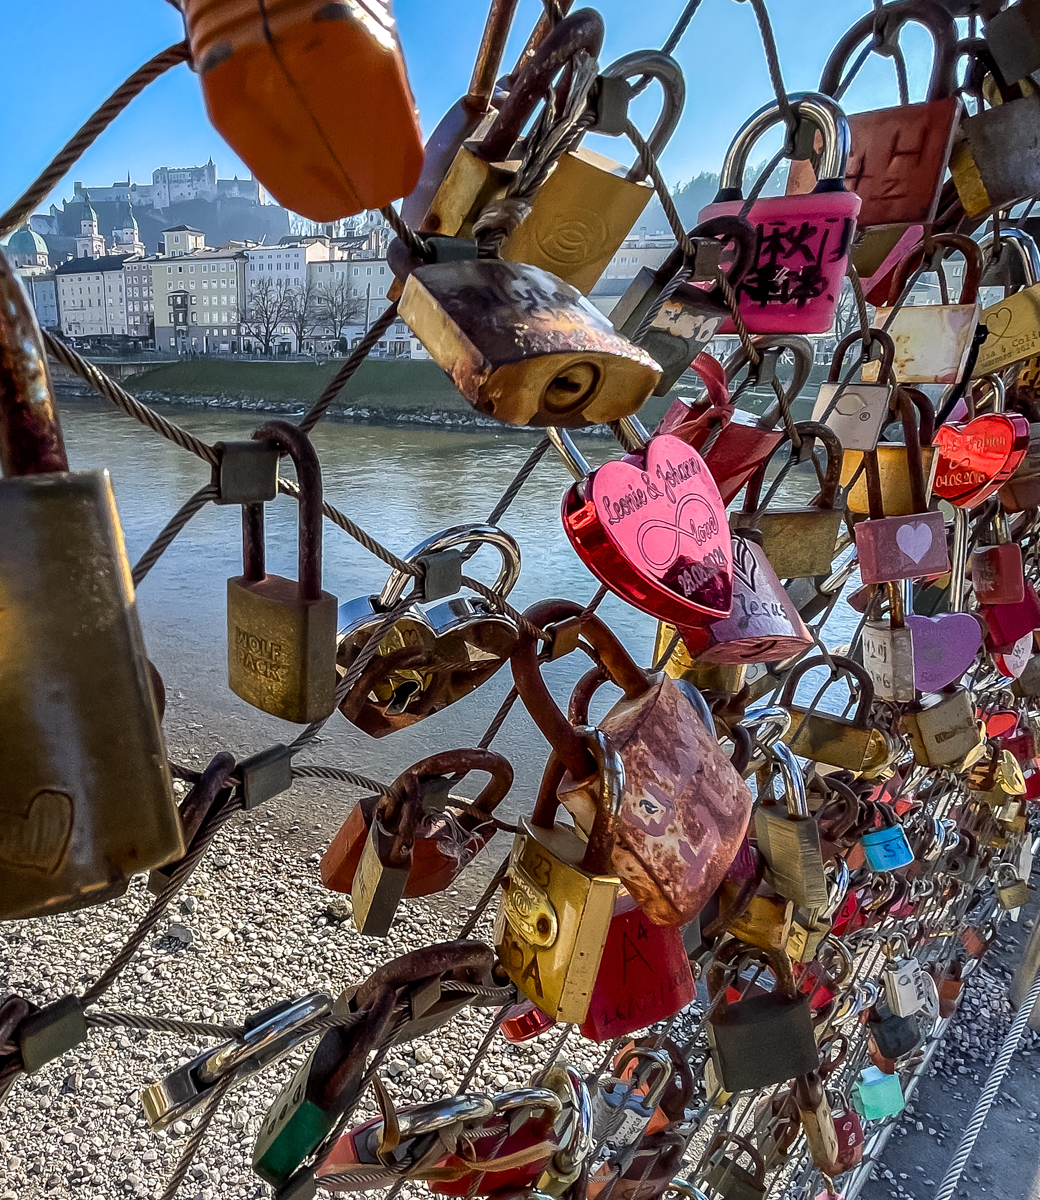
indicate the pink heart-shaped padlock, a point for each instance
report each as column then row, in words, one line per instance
column 944, row 648
column 653, row 528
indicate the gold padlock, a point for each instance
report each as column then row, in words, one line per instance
column 705, row 676
column 766, row 922
column 899, row 464
column 524, row 347
column 1014, row 322
column 558, row 898
column 583, row 212
column 943, row 730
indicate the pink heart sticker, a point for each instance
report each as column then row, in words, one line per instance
column 666, row 519
column 914, row 540
column 944, row 648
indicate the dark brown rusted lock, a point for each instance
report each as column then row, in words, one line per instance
column 685, row 807
column 211, row 791
column 446, row 837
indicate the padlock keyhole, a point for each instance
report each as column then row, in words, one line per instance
column 572, row 389
column 403, row 695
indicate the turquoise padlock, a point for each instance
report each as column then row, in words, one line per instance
column 876, row 1095
column 886, row 848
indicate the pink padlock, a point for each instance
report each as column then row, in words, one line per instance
column 905, row 547
column 803, row 241
column 1009, row 622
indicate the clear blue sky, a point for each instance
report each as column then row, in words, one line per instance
column 62, row 57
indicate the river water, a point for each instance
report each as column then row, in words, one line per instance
column 401, row 485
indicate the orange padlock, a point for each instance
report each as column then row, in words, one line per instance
column 313, row 97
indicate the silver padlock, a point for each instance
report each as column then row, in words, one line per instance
column 268, row 1036
column 620, row 1115
column 904, row 980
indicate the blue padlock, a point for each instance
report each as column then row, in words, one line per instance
column 877, row 1096
column 886, row 848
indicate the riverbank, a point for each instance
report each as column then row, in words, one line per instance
column 389, row 393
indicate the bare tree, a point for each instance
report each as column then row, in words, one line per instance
column 267, row 307
column 302, row 311
column 337, row 306
column 846, row 316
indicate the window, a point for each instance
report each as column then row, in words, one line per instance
column 382, row 270
column 169, row 270
column 368, row 270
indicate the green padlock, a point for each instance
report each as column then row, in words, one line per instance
column 877, row 1096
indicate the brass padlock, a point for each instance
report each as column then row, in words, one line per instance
column 1014, row 322
column 814, row 1109
column 905, row 469
column 943, row 730
column 788, row 836
column 282, row 633
column 524, row 347
column 558, row 898
column 485, row 165
column 857, row 744
column 799, row 542
column 87, row 796
column 705, row 676
column 583, row 212
column 1012, row 891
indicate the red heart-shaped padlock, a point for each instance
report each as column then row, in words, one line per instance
column 975, row 457
column 653, row 528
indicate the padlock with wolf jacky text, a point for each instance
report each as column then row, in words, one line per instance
column 282, row 633
column 804, row 241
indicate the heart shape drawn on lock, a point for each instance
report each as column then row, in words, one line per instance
column 37, row 838
column 976, row 457
column 653, row 528
column 944, row 648
column 915, row 540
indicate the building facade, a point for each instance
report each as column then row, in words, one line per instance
column 92, row 296
column 140, row 301
column 42, row 290
column 198, row 299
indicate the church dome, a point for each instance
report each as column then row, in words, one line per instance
column 25, row 241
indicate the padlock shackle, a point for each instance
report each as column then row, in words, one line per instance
column 662, row 67
column 1022, row 243
column 430, row 962
column 845, row 666
column 883, row 26
column 869, row 338
column 31, row 441
column 292, row 440
column 982, row 63
column 815, row 107
column 994, row 384
column 197, row 804
column 658, row 1073
column 573, row 459
column 776, row 960
column 538, row 701
column 718, row 1143
column 448, row 539
column 907, row 399
column 794, row 782
column 342, row 1054
column 825, row 497
column 742, row 235
column 955, row 241
column 488, row 61
column 801, row 351
column 462, row 762
column 582, row 30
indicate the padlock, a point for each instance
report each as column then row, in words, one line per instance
column 888, row 647
column 856, row 744
column 804, row 241
column 776, row 1127
column 88, row 799
column 283, row 83
column 1014, row 41
column 997, row 575
column 583, row 212
column 715, row 1094
column 763, row 626
column 788, row 836
column 674, row 318
column 446, row 838
column 1014, row 322
column 486, row 164
column 569, row 1163
column 766, row 921
column 621, row 1114
column 857, row 412
column 717, row 677
column 725, row 1173
column 679, row 1090
column 903, row 978
column 1022, row 490
column 282, row 632
column 894, row 1036
column 1012, row 891
column 644, row 975
column 799, row 542
column 932, row 341
column 906, row 469
column 524, row 1021
column 943, row 731
column 994, row 164
column 814, row 1109
column 680, row 824
column 849, row 1132
column 432, row 656
column 877, row 1096
column 898, row 156
column 652, row 527
column 905, row 546
column 524, row 347
column 305, row 1111
column 887, row 848
column 558, row 900
column 1006, row 623
column 643, row 1173
column 766, row 1039
column 975, row 458
column 267, row 1037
